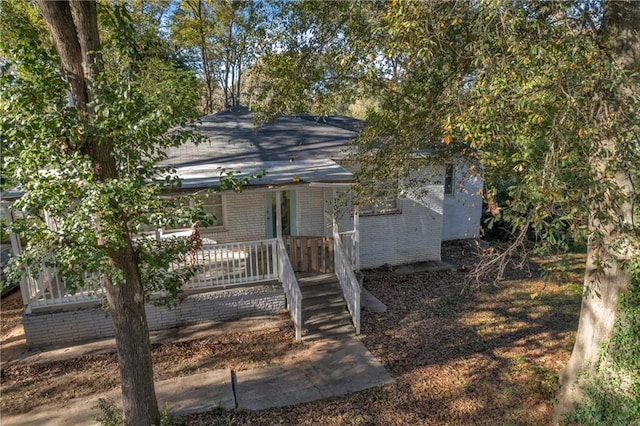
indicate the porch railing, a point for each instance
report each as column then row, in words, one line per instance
column 351, row 250
column 291, row 289
column 348, row 282
column 42, row 286
column 310, row 254
column 225, row 265
column 218, row 266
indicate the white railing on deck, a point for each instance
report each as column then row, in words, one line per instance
column 291, row 288
column 48, row 289
column 348, row 282
column 218, row 266
column 224, row 265
column 351, row 250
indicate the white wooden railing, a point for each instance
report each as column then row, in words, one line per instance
column 291, row 288
column 351, row 249
column 218, row 266
column 348, row 281
column 42, row 286
column 225, row 265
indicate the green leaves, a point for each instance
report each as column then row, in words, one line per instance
column 527, row 89
column 72, row 218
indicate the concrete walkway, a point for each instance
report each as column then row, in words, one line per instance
column 332, row 367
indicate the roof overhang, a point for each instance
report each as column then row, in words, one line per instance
column 274, row 173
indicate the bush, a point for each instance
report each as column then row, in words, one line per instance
column 111, row 416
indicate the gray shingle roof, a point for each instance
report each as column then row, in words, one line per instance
column 236, row 143
column 302, row 146
column 232, row 136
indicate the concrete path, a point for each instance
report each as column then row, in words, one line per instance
column 337, row 367
column 334, row 367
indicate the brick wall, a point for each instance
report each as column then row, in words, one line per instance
column 311, row 211
column 245, row 215
column 410, row 236
column 93, row 323
column 413, row 235
column 244, row 218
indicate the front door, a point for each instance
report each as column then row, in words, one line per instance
column 288, row 210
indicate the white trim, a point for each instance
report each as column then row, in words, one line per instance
column 332, row 184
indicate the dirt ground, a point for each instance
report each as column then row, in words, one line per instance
column 484, row 356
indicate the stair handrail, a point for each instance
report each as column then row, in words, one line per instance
column 348, row 281
column 291, row 288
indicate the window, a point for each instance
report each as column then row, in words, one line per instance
column 382, row 206
column 212, row 204
column 449, row 179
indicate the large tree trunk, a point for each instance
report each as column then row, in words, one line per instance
column 78, row 44
column 605, row 278
column 126, row 304
column 597, row 318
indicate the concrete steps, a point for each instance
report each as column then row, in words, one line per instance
column 324, row 311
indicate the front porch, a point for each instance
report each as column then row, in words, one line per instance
column 233, row 280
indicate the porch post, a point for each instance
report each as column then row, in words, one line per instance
column 8, row 215
column 356, row 237
column 278, row 215
column 334, row 222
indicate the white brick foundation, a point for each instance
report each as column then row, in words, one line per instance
column 87, row 323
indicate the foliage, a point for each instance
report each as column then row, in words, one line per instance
column 532, row 119
column 109, row 413
column 613, row 394
column 111, row 417
column 132, row 43
column 45, row 156
column 222, row 39
column 527, row 90
column 309, row 67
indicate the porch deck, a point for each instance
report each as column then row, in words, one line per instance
column 242, row 268
column 219, row 266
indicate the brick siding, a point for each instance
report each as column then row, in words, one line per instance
column 92, row 322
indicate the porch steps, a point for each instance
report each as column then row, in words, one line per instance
column 324, row 311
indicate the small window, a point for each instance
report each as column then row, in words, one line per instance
column 212, row 204
column 383, row 206
column 449, row 179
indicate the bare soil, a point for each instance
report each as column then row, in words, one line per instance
column 10, row 313
column 28, row 385
column 481, row 356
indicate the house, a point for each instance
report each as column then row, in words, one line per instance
column 292, row 219
column 304, row 159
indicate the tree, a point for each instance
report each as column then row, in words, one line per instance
column 192, row 24
column 88, row 168
column 614, row 234
column 544, row 95
column 225, row 35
